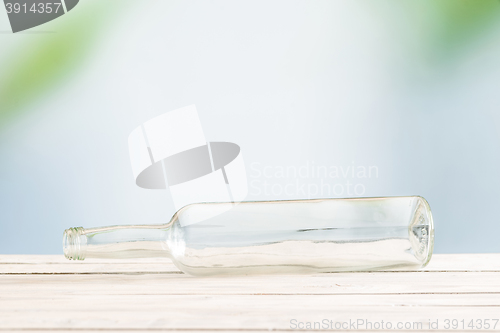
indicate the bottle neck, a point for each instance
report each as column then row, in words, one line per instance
column 118, row 242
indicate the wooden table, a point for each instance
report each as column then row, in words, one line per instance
column 43, row 293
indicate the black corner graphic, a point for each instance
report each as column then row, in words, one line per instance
column 70, row 4
column 26, row 14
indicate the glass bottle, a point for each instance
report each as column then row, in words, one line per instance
column 297, row 236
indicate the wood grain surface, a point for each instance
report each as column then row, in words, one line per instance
column 50, row 293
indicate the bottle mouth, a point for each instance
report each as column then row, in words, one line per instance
column 74, row 243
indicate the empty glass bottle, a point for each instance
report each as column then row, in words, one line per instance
column 299, row 236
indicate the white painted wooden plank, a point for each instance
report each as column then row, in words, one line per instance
column 452, row 287
column 135, row 330
column 209, row 330
column 60, row 259
column 147, row 330
column 58, row 264
column 22, row 264
column 464, row 262
column 94, row 268
column 227, row 312
column 181, row 284
column 92, row 302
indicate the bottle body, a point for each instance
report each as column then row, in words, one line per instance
column 301, row 236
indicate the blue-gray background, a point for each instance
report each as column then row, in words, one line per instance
column 411, row 87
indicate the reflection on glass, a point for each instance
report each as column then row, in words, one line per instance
column 299, row 236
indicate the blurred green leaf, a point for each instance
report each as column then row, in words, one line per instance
column 464, row 20
column 40, row 66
